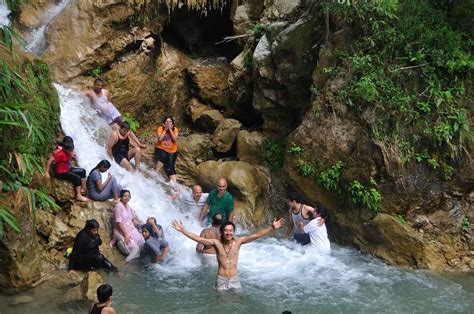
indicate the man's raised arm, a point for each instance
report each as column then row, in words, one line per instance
column 178, row 225
column 277, row 224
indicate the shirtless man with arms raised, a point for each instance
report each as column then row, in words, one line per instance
column 227, row 248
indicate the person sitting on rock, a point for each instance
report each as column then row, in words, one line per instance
column 63, row 170
column 101, row 185
column 104, row 296
column 219, row 201
column 129, row 240
column 85, row 254
column 100, row 98
column 166, row 149
column 317, row 231
column 208, row 252
column 156, row 248
column 118, row 147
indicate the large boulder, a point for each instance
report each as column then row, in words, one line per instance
column 203, row 116
column 250, row 147
column 210, row 84
column 279, row 9
column 86, row 290
column 248, row 184
column 225, row 135
column 193, row 149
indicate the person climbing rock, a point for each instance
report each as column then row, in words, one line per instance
column 118, row 147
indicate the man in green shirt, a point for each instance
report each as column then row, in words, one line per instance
column 219, row 201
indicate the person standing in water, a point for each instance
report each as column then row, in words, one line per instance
column 104, row 296
column 219, row 201
column 227, row 248
column 317, row 231
column 101, row 100
column 297, row 211
column 118, row 147
column 208, row 253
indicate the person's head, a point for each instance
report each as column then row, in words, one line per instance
column 125, row 196
column 104, row 293
column 148, row 231
column 293, row 200
column 197, row 192
column 67, row 143
column 124, row 128
column 227, row 230
column 168, row 121
column 217, row 220
column 320, row 212
column 221, row 185
column 98, row 85
column 92, row 227
column 103, row 165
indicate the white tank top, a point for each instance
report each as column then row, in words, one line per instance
column 105, row 107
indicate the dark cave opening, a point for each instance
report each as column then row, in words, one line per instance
column 199, row 34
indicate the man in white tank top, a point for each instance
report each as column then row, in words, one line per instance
column 100, row 98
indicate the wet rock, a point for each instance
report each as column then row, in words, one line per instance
column 210, row 84
column 44, row 222
column 62, row 191
column 32, row 13
column 421, row 221
column 225, row 135
column 204, row 117
column 280, row 9
column 248, row 184
column 61, row 235
column 193, row 149
column 250, row 147
column 86, row 290
column 21, row 299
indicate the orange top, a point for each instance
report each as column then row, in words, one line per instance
column 167, row 143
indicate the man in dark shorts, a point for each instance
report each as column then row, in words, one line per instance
column 119, row 150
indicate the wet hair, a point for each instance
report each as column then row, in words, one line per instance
column 217, row 219
column 150, row 229
column 293, row 196
column 320, row 211
column 104, row 292
column 102, row 163
column 67, row 143
column 99, row 80
column 122, row 193
column 125, row 125
column 91, row 224
column 225, row 224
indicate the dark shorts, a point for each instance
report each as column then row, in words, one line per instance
column 118, row 157
column 74, row 176
column 117, row 120
column 168, row 159
column 302, row 238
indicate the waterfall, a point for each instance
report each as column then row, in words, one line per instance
column 4, row 12
column 37, row 43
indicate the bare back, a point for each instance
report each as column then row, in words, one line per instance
column 210, row 233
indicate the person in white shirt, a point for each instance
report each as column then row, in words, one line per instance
column 194, row 201
column 317, row 231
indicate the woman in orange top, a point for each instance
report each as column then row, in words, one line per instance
column 166, row 149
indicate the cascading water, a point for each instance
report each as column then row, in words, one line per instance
column 37, row 42
column 4, row 12
column 276, row 274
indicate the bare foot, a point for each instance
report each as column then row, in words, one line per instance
column 83, row 192
column 82, row 199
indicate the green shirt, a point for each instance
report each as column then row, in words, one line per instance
column 223, row 205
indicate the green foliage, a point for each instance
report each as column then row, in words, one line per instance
column 29, row 119
column 305, row 169
column 401, row 220
column 295, row 149
column 413, row 71
column 466, row 224
column 258, row 30
column 134, row 125
column 365, row 196
column 314, row 90
column 95, row 72
column 330, row 179
column 14, row 5
column 248, row 60
column 274, row 153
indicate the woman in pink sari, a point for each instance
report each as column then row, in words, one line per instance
column 129, row 240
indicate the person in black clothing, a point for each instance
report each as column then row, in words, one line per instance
column 85, row 253
column 119, row 150
column 104, row 296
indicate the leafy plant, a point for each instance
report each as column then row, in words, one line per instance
column 330, row 178
column 295, row 149
column 365, row 196
column 466, row 224
column 248, row 60
column 274, row 153
column 95, row 72
column 305, row 169
column 134, row 125
column 401, row 220
column 258, row 30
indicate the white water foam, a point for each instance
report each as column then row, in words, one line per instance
column 37, row 43
column 4, row 12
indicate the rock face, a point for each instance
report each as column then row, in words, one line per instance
column 250, row 147
column 193, row 149
column 203, row 116
column 225, row 135
column 248, row 184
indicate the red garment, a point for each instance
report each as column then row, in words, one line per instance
column 62, row 160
